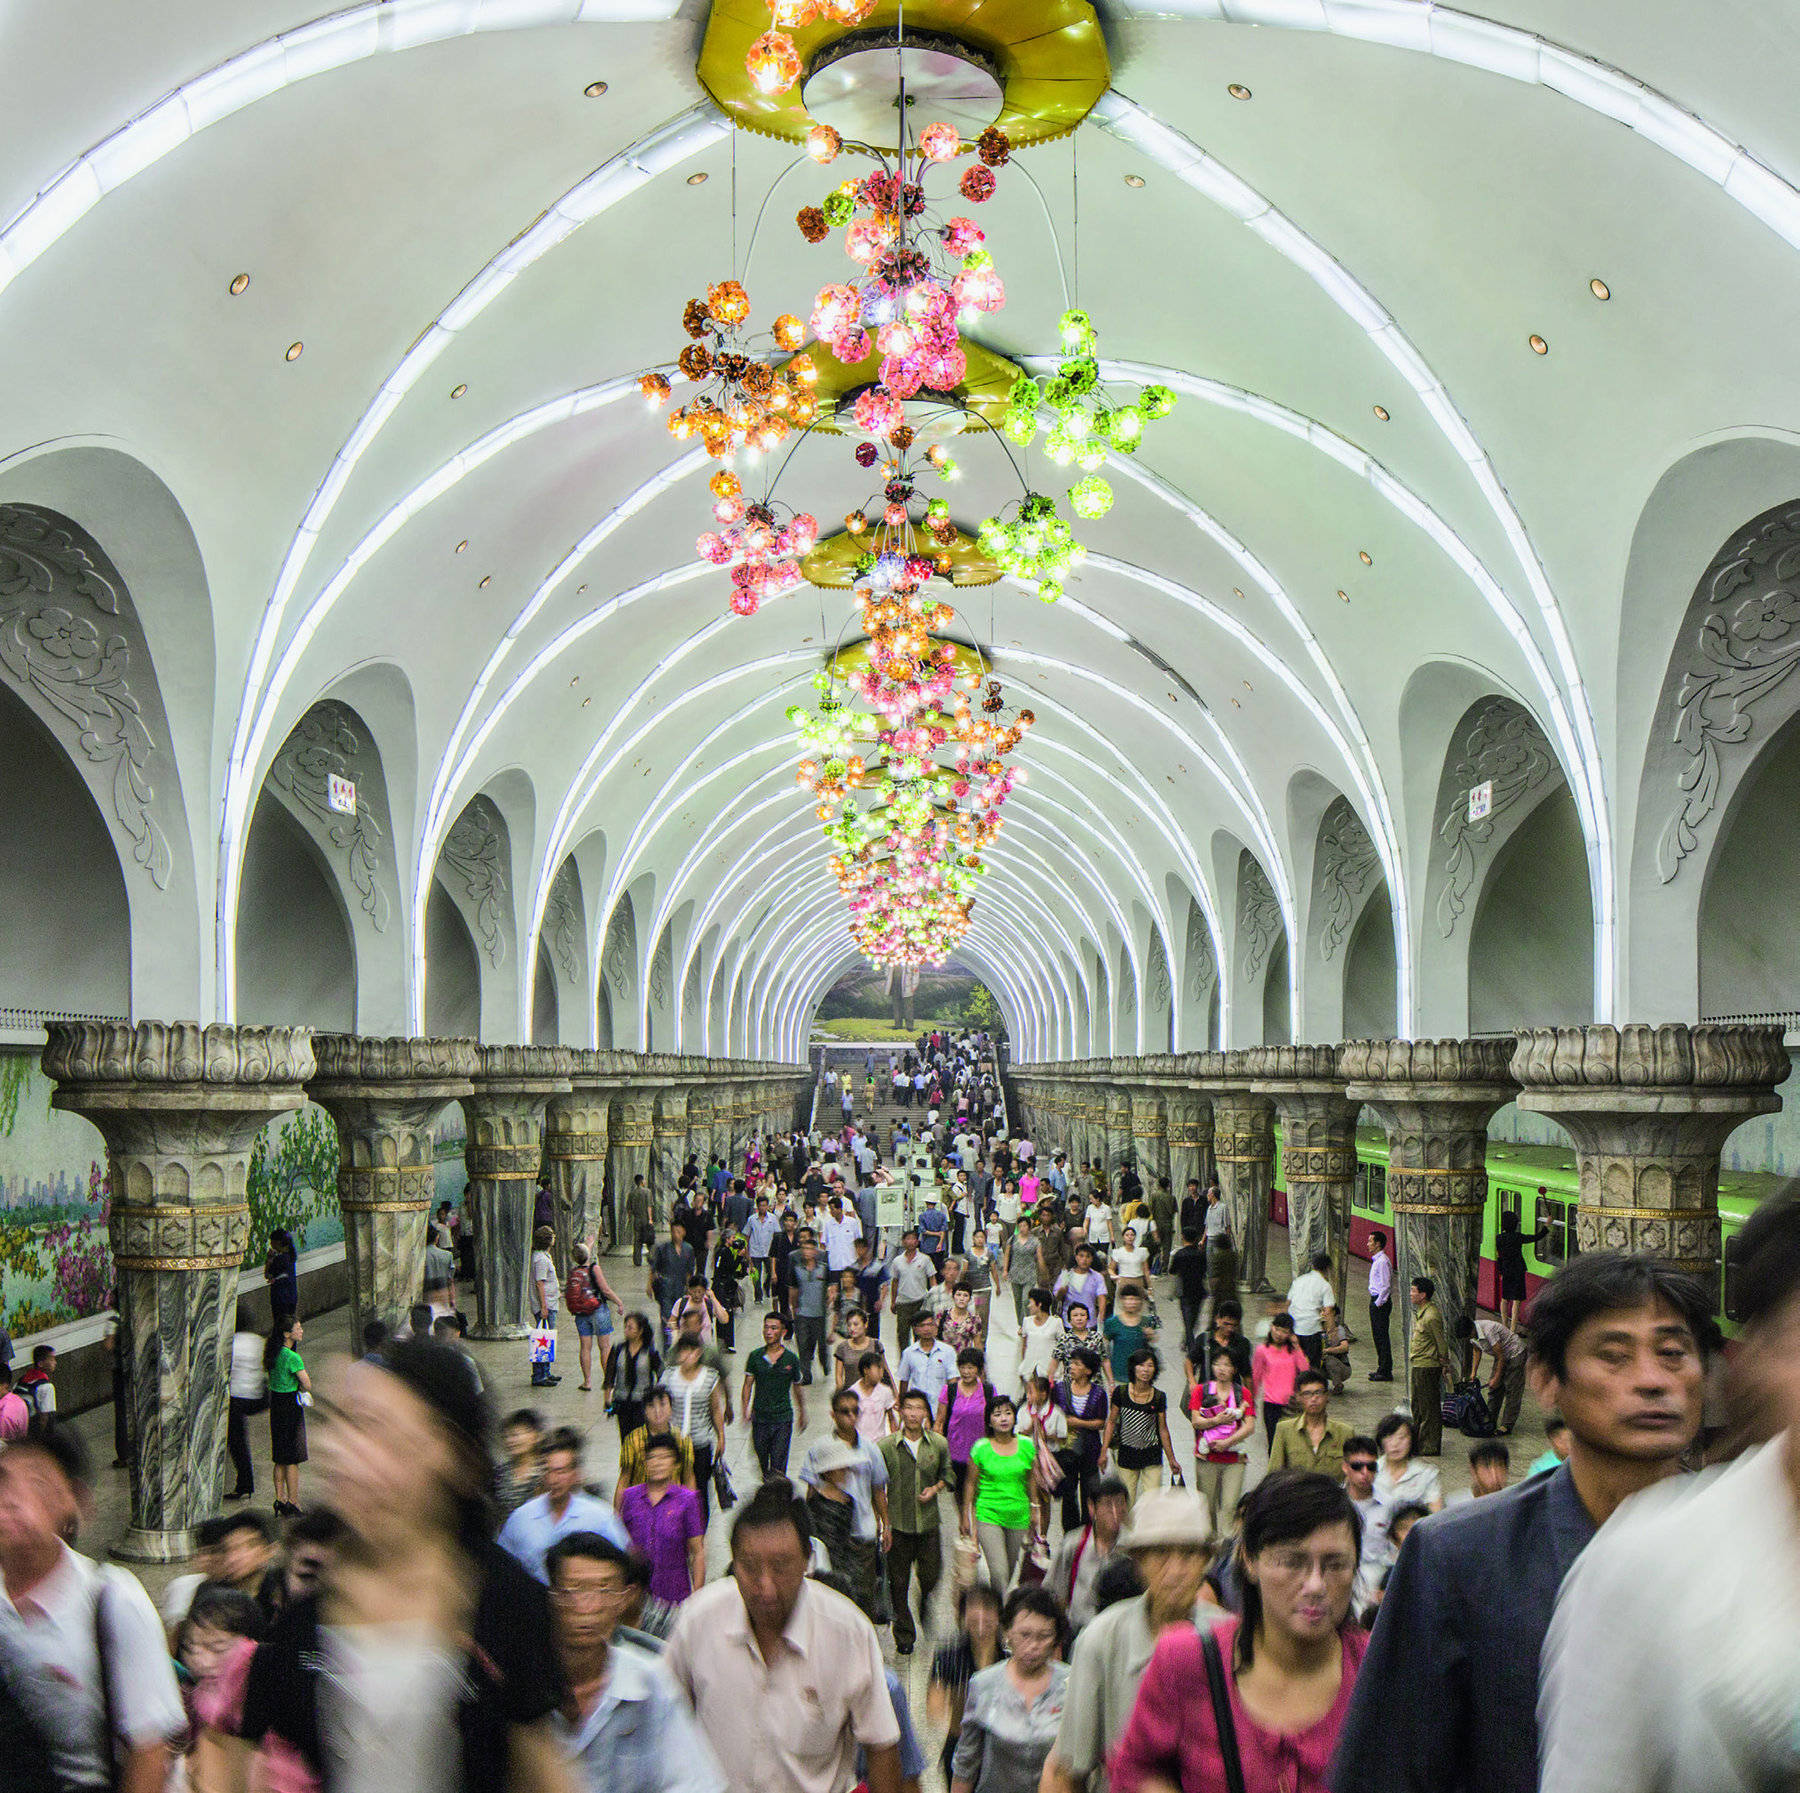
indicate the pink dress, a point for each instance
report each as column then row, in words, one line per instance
column 1171, row 1733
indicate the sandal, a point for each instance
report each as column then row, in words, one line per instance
column 587, row 1388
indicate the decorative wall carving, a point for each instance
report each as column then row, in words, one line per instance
column 662, row 970
column 67, row 634
column 1202, row 973
column 1348, row 865
column 565, row 925
column 1160, row 992
column 327, row 740
column 1741, row 640
column 1127, row 987
column 1259, row 916
column 475, row 849
column 1501, row 742
column 621, row 949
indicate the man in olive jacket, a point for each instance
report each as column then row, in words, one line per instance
column 918, row 1466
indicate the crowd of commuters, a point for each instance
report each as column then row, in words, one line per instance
column 461, row 1606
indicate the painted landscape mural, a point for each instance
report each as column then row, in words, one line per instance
column 55, row 1261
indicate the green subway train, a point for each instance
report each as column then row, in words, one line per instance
column 1538, row 1184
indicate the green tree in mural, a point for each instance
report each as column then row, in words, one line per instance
column 295, row 1183
column 981, row 1010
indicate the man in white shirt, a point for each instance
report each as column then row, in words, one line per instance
column 909, row 1274
column 1381, row 1306
column 560, row 1510
column 1307, row 1301
column 55, row 1609
column 839, row 1235
column 785, row 1676
column 927, row 1364
column 1506, row 1380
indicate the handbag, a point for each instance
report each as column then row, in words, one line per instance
column 723, row 1492
column 1223, row 1722
column 543, row 1345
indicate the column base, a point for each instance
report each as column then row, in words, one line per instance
column 140, row 1545
column 500, row 1329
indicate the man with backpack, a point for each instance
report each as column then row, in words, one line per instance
column 1506, row 1380
column 37, row 1388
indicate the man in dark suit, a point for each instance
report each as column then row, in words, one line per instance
column 1446, row 1701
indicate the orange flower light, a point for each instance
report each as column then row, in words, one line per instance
column 773, row 63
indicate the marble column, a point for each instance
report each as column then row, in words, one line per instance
column 179, row 1107
column 1187, row 1161
column 575, row 1136
column 1244, row 1153
column 724, row 1102
column 383, row 1095
column 504, row 1152
column 1649, row 1110
column 700, row 1123
column 668, row 1144
column 1149, row 1137
column 1434, row 1099
column 1318, row 1148
column 630, row 1138
column 1093, row 1124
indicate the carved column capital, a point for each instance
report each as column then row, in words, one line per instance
column 1649, row 1110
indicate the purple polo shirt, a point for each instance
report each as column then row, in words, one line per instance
column 660, row 1531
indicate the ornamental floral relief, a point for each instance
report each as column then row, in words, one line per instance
column 475, row 849
column 565, row 926
column 1741, row 641
column 327, row 742
column 67, row 636
column 1202, row 973
column 1503, row 745
column 1348, row 864
column 1259, row 919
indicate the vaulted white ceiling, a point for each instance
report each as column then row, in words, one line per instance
column 425, row 199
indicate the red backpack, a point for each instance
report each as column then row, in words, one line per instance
column 581, row 1294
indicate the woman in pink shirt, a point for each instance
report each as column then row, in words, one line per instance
column 1029, row 1185
column 1273, row 1368
column 1284, row 1672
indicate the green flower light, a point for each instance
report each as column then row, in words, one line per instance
column 1091, row 497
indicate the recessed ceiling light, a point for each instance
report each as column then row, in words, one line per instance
column 1134, row 180
column 1237, row 591
column 594, row 89
column 238, row 283
column 1381, row 411
column 459, row 388
column 460, row 546
column 586, row 701
column 1238, row 90
column 295, row 350
column 576, row 680
column 1343, row 594
column 484, row 582
column 1599, row 288
column 1539, row 346
column 697, row 180
column 1363, row 555
column 1248, row 686
column 1236, row 705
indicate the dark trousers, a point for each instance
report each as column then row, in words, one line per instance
column 1076, row 1466
column 809, row 1332
column 1190, row 1324
column 1428, row 1412
column 905, row 1312
column 237, row 1442
column 910, row 1552
column 1274, row 1412
column 770, row 1439
column 703, row 1462
column 1380, row 1313
column 1313, row 1344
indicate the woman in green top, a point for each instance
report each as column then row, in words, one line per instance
column 287, row 1418
column 996, row 1510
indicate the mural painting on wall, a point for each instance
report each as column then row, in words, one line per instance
column 55, row 1259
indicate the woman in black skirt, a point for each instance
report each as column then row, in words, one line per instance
column 631, row 1372
column 1509, row 1260
column 288, row 1381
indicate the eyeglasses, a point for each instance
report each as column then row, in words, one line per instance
column 1297, row 1562
column 586, row 1599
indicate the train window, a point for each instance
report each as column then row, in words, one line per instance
column 1509, row 1200
column 1558, row 1245
column 1369, row 1192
